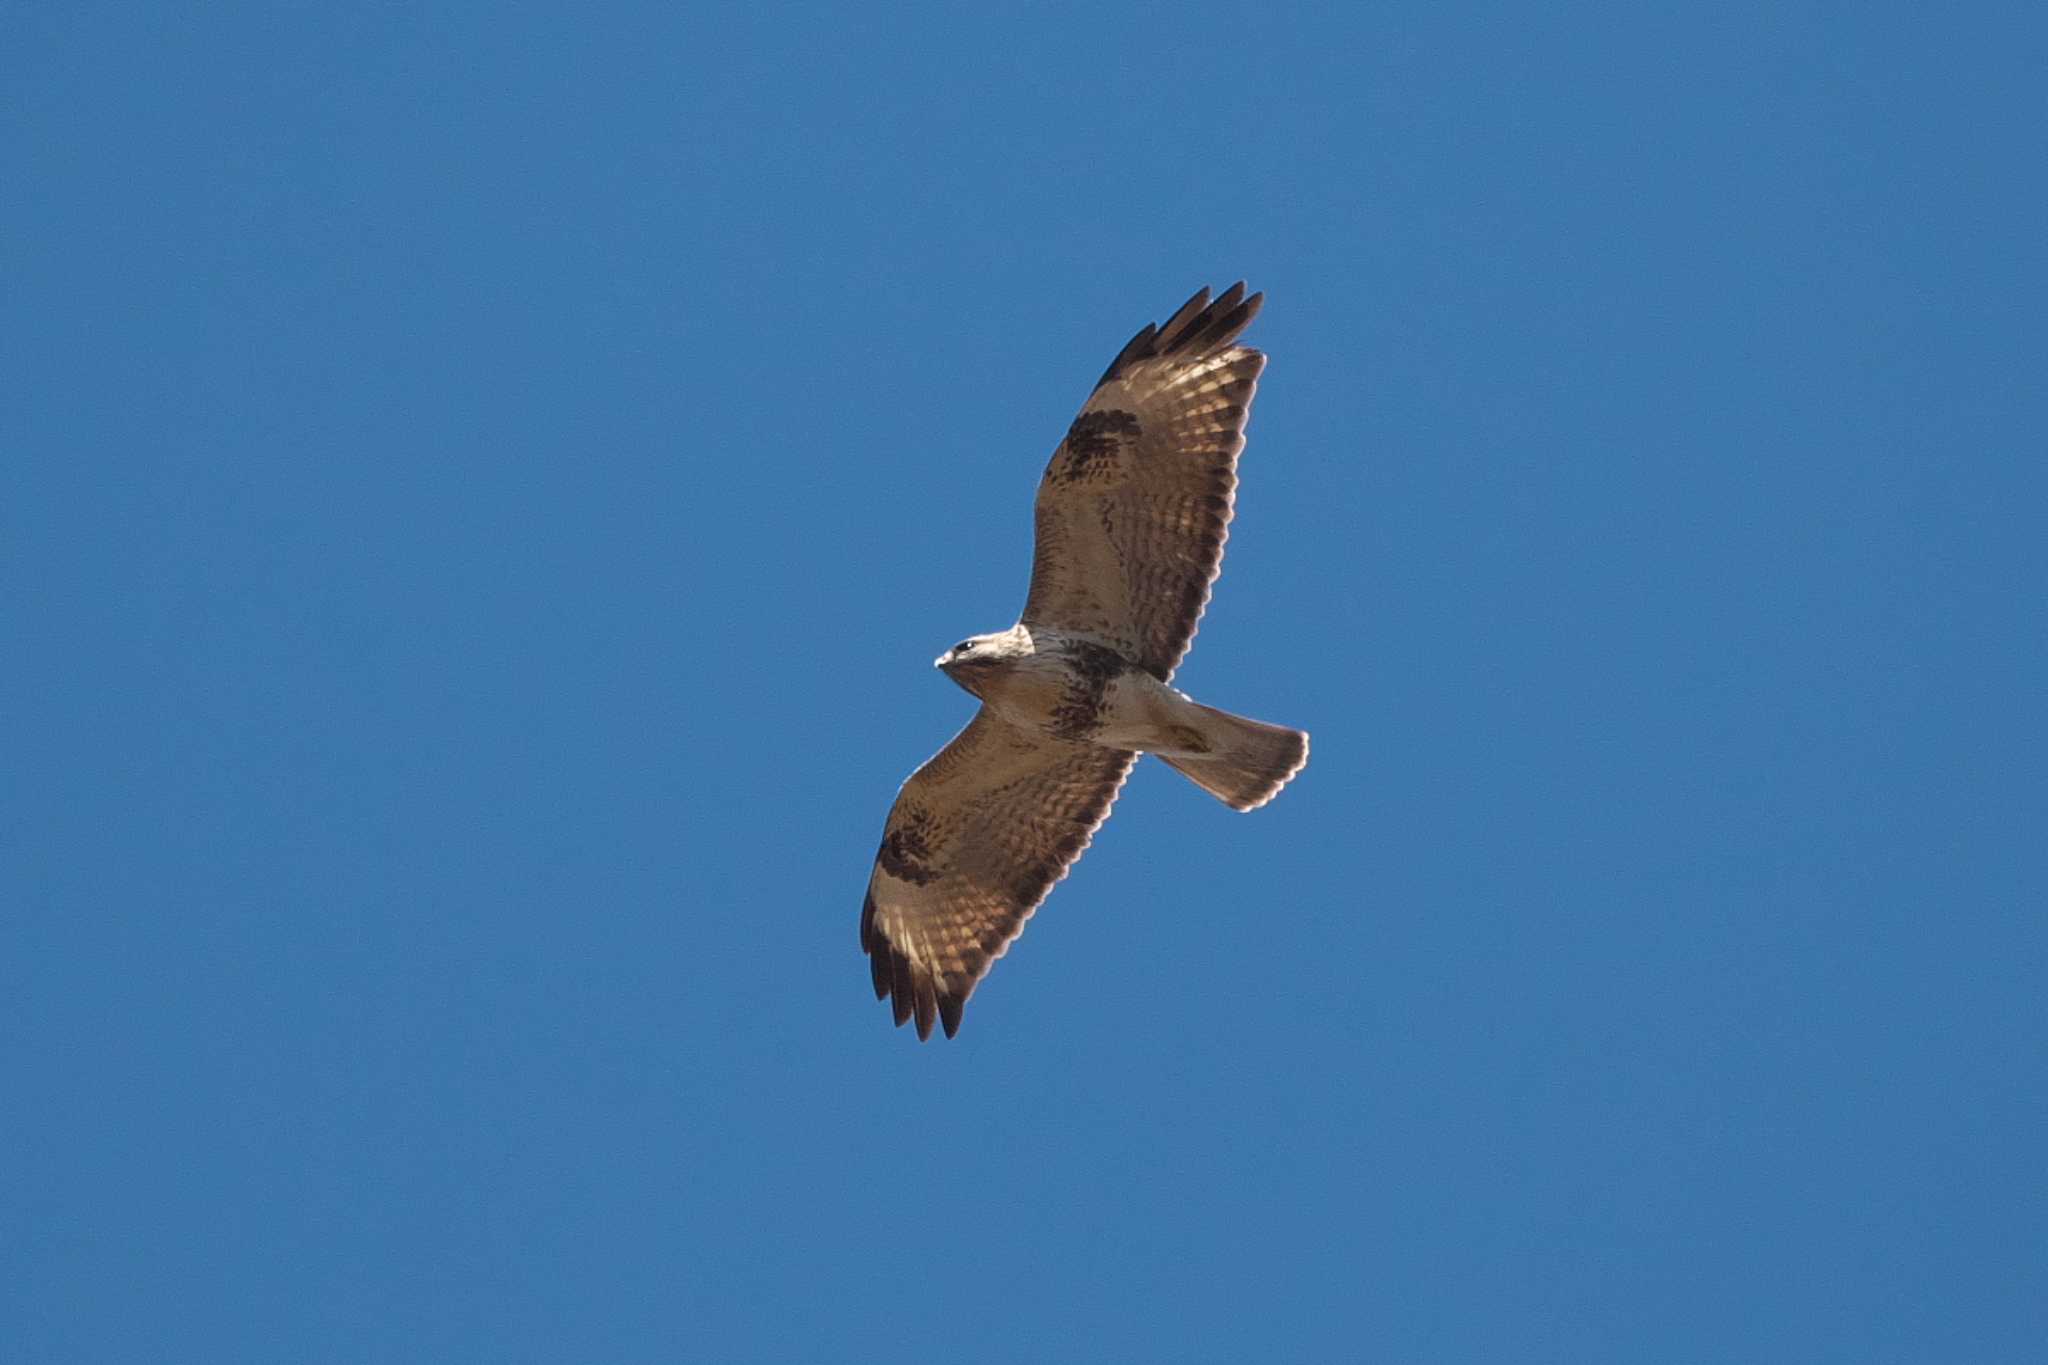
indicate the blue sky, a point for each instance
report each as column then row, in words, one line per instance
column 483, row 487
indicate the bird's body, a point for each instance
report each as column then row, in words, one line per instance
column 1131, row 519
column 1058, row 683
column 1071, row 686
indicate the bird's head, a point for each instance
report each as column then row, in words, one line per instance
column 964, row 654
column 968, row 662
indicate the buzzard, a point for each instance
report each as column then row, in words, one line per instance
column 1132, row 514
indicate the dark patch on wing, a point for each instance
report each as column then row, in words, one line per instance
column 1095, row 434
column 905, row 855
column 1092, row 443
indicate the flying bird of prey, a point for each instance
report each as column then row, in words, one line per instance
column 1132, row 514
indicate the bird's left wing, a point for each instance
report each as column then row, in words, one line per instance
column 978, row 835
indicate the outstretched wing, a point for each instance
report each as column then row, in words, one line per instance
column 978, row 835
column 1135, row 505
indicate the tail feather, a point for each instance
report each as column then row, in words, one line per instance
column 1248, row 761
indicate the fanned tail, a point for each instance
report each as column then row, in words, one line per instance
column 1248, row 761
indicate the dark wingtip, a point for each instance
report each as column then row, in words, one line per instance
column 1137, row 348
column 901, row 993
column 1200, row 325
column 1231, row 317
column 1185, row 323
column 911, row 993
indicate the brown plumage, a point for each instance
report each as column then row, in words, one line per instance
column 1132, row 514
column 1007, row 813
column 1127, row 547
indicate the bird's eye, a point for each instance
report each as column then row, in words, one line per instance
column 961, row 648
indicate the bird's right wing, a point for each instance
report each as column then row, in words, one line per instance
column 978, row 835
column 1135, row 504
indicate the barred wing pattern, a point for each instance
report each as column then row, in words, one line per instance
column 976, row 838
column 1135, row 504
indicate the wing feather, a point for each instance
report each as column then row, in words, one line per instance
column 976, row 838
column 1136, row 502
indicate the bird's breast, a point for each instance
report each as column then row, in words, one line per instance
column 1070, row 693
column 1024, row 690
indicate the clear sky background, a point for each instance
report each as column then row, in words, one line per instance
column 483, row 487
